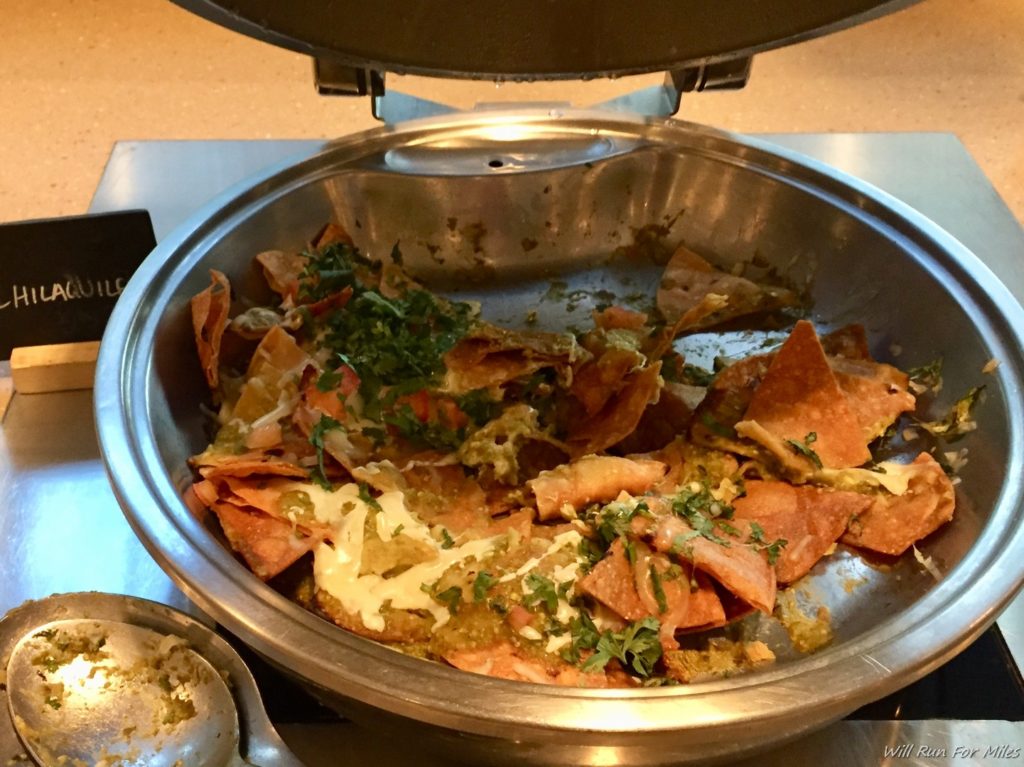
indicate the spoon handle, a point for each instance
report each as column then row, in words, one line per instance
column 267, row 749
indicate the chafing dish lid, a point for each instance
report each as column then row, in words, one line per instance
column 535, row 39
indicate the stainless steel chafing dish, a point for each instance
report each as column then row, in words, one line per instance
column 498, row 204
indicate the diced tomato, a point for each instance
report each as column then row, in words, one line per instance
column 332, row 401
column 450, row 415
column 333, row 301
column 418, row 402
column 349, row 381
column 518, row 617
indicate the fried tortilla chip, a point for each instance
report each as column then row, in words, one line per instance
column 278, row 497
column 490, row 356
column 593, row 478
column 209, row 319
column 598, row 380
column 893, row 523
column 619, row 318
column 661, row 422
column 282, row 271
column 798, row 397
column 267, row 545
column 332, row 234
column 705, row 609
column 272, row 381
column 620, row 414
column 611, row 583
column 876, row 393
column 505, row 661
column 245, row 465
column 849, row 341
column 809, row 519
column 727, row 399
column 737, row 566
column 688, row 278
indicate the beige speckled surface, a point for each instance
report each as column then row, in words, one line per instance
column 77, row 75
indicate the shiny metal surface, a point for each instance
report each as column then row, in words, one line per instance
column 870, row 252
column 260, row 743
column 105, row 697
column 535, row 38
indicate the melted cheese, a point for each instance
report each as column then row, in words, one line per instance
column 336, row 569
column 895, row 477
column 560, row 541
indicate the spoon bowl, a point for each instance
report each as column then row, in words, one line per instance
column 85, row 690
column 100, row 678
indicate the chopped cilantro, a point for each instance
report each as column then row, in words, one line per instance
column 542, row 591
column 774, row 549
column 704, row 513
column 377, row 435
column 329, row 380
column 637, row 647
column 478, row 406
column 804, row 448
column 681, row 544
column 585, row 636
column 365, row 497
column 446, row 539
column 330, row 270
column 613, row 520
column 426, row 434
column 394, row 340
column 927, row 376
column 316, row 439
column 450, row 597
column 958, row 421
column 759, row 542
column 483, row 583
column 590, row 552
column 398, row 530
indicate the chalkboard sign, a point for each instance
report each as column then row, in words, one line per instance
column 60, row 278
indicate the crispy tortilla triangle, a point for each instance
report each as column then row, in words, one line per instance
column 491, row 356
column 738, row 567
column 506, row 661
column 611, row 582
column 593, row 478
column 620, row 414
column 245, row 465
column 688, row 279
column 282, row 270
column 876, row 393
column 209, row 319
column 267, row 545
column 893, row 523
column 810, row 519
column 799, row 396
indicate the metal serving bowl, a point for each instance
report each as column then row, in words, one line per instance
column 498, row 205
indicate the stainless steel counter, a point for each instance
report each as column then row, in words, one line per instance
column 61, row 528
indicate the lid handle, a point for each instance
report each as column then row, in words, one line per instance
column 334, row 78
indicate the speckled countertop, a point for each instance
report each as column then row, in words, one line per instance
column 78, row 75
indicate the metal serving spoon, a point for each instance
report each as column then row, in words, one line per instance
column 102, row 690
